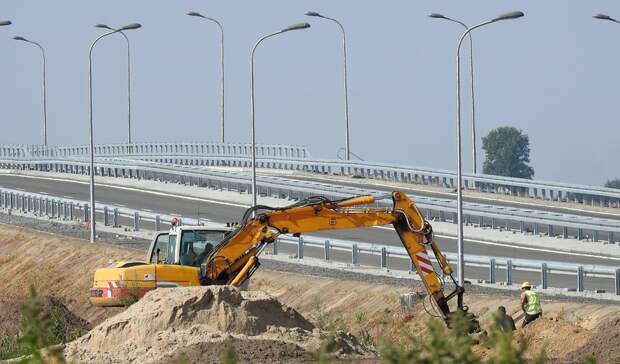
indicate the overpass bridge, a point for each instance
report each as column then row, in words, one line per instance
column 298, row 158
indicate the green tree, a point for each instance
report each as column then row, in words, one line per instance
column 506, row 352
column 453, row 346
column 614, row 183
column 442, row 346
column 507, row 152
column 39, row 331
column 326, row 350
column 229, row 356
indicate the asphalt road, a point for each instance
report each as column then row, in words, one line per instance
column 175, row 205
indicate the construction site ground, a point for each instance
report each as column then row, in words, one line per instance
column 61, row 269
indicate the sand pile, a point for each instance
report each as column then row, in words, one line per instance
column 194, row 321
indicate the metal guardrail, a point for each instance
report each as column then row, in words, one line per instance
column 523, row 220
column 184, row 149
column 384, row 252
column 67, row 209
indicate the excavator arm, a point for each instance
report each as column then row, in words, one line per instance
column 236, row 258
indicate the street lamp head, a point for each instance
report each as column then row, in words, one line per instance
column 313, row 13
column 511, row 15
column 131, row 26
column 17, row 37
column 103, row 26
column 437, row 16
column 603, row 17
column 5, row 22
column 195, row 13
column 296, row 27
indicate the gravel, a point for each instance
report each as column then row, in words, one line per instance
column 73, row 230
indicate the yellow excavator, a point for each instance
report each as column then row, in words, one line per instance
column 221, row 255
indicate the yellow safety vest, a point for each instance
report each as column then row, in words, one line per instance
column 532, row 306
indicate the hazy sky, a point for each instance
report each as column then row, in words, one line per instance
column 552, row 74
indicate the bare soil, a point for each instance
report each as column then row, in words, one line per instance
column 63, row 268
column 568, row 332
column 604, row 344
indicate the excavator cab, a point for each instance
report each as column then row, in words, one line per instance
column 186, row 245
column 173, row 259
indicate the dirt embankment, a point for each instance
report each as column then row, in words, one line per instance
column 63, row 268
column 568, row 332
column 56, row 266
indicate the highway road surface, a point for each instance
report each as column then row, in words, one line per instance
column 229, row 212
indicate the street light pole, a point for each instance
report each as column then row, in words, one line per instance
column 4, row 23
column 346, row 89
column 473, row 100
column 292, row 27
column 605, row 17
column 459, row 192
column 103, row 26
column 90, row 109
column 196, row 14
column 44, row 86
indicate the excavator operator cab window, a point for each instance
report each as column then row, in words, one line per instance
column 198, row 244
column 164, row 243
column 172, row 245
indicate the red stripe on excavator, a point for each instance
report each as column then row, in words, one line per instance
column 120, row 292
column 425, row 269
column 423, row 257
column 425, row 264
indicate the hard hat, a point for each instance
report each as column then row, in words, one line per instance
column 526, row 285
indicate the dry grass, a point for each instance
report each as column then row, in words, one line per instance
column 57, row 266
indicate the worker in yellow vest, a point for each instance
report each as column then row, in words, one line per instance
column 530, row 303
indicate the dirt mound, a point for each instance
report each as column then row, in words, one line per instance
column 553, row 334
column 604, row 345
column 196, row 320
